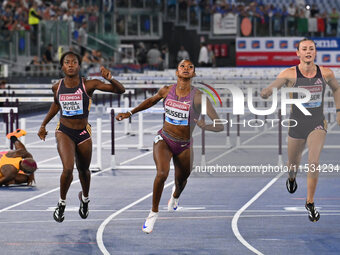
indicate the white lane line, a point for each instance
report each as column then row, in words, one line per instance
column 243, row 208
column 46, row 193
column 137, row 157
column 166, row 218
column 141, row 155
column 116, row 139
column 46, row 160
column 236, row 148
column 41, row 141
column 331, row 127
column 28, row 200
column 112, row 216
column 182, row 209
column 126, row 136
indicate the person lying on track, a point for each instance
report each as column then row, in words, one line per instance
column 17, row 166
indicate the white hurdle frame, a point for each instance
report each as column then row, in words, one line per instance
column 8, row 110
column 93, row 167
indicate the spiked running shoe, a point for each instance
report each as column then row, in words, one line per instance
column 313, row 214
column 58, row 214
column 291, row 185
column 150, row 222
column 84, row 207
column 17, row 133
column 173, row 202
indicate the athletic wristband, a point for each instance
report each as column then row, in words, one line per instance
column 130, row 113
column 337, row 110
column 13, row 139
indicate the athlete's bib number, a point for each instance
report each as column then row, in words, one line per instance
column 316, row 96
column 176, row 113
column 71, row 104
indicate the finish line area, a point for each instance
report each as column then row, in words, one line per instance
column 274, row 222
column 220, row 212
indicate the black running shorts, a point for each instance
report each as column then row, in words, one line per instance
column 78, row 136
column 305, row 127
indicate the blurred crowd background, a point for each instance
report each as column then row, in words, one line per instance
column 138, row 35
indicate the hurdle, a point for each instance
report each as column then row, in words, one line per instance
column 140, row 144
column 10, row 116
column 114, row 164
column 238, row 144
column 140, row 133
column 221, row 79
column 99, row 147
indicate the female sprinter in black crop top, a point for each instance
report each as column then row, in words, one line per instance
column 72, row 97
column 310, row 129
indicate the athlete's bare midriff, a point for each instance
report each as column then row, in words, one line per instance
column 74, row 123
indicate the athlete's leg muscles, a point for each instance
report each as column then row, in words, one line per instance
column 295, row 149
column 315, row 142
column 83, row 161
column 66, row 150
column 183, row 166
column 162, row 156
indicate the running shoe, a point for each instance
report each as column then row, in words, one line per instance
column 58, row 214
column 173, row 202
column 313, row 214
column 84, row 207
column 17, row 133
column 291, row 185
column 150, row 222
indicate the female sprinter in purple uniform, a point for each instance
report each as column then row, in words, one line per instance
column 72, row 97
column 182, row 104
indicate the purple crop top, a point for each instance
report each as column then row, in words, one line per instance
column 180, row 111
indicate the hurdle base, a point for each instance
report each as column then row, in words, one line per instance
column 203, row 161
column 280, row 161
column 113, row 162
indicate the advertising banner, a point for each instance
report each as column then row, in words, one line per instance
column 281, row 51
column 224, row 25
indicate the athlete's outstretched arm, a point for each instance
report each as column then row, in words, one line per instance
column 280, row 81
column 151, row 101
column 334, row 84
column 114, row 86
column 55, row 107
column 211, row 112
